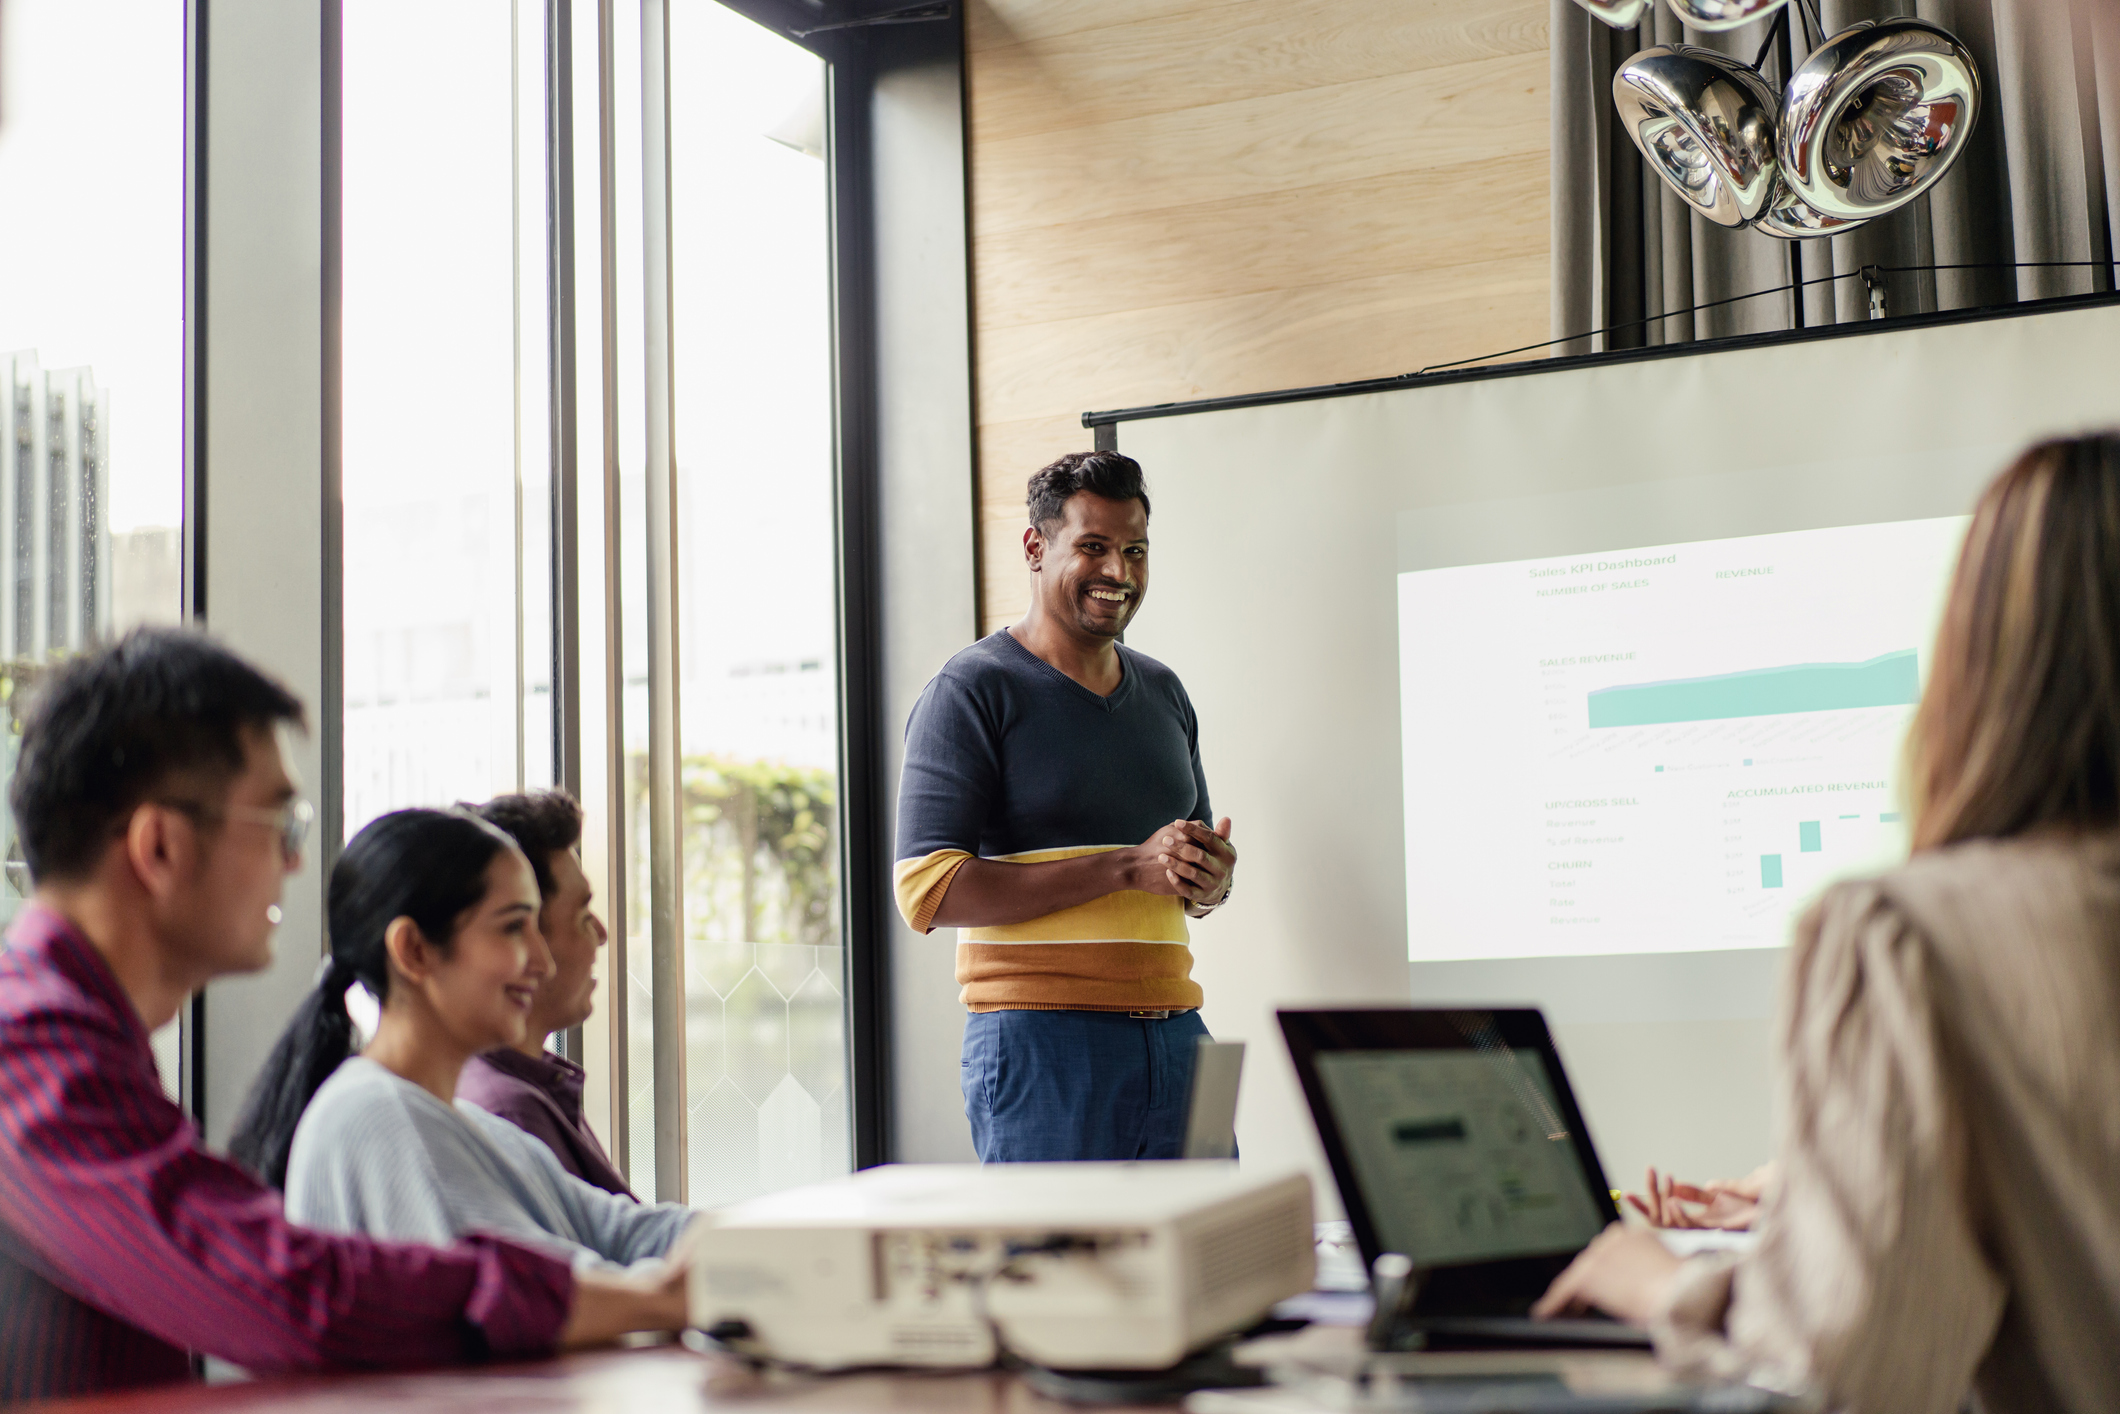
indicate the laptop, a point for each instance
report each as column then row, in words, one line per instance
column 1211, row 1108
column 1456, row 1141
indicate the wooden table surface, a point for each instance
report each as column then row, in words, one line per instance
column 658, row 1379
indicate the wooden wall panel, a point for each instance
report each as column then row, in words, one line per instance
column 1111, row 61
column 1253, row 147
column 1182, row 198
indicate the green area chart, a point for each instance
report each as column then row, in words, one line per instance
column 1889, row 680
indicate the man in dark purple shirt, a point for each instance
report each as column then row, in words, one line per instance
column 528, row 1086
column 154, row 808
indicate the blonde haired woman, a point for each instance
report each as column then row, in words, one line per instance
column 1947, row 1213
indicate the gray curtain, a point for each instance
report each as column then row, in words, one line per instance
column 2041, row 181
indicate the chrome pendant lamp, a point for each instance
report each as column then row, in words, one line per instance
column 1871, row 120
column 1722, row 14
column 1788, row 218
column 1876, row 116
column 1700, row 14
column 1705, row 122
column 1620, row 14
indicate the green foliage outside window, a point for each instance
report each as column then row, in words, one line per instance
column 761, row 851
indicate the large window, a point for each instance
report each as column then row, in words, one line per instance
column 91, row 343
column 446, row 453
column 764, row 1090
column 452, row 358
column 765, row 1078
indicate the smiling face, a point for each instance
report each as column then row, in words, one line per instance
column 1091, row 573
column 217, row 918
column 481, row 991
column 572, row 933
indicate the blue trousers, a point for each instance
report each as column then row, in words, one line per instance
column 1062, row 1085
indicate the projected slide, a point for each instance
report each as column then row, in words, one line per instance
column 1665, row 749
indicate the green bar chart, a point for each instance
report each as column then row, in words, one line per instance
column 1672, row 747
column 1800, row 855
column 1888, row 680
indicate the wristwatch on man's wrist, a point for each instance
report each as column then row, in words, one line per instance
column 1201, row 910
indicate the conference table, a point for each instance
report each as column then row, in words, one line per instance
column 674, row 1379
column 666, row 1379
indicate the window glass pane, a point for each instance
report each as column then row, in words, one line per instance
column 592, row 721
column 446, row 445
column 536, row 750
column 629, row 358
column 91, row 342
column 765, row 1044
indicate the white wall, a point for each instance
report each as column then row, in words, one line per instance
column 926, row 540
column 261, row 482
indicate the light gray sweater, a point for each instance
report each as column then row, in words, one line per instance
column 379, row 1155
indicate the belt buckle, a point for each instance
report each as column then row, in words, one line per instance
column 1150, row 1015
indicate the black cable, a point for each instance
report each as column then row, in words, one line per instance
column 1998, row 265
column 1212, row 1368
column 734, row 1339
column 1774, row 32
column 976, row 1285
column 1785, row 51
column 1775, row 290
column 1807, row 11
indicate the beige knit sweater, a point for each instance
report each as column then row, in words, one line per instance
column 1948, row 1210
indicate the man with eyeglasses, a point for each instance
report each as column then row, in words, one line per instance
column 153, row 804
column 290, row 820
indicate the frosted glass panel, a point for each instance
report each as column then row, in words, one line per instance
column 765, row 1030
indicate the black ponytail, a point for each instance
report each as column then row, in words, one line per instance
column 426, row 865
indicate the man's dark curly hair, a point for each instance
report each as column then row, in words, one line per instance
column 542, row 822
column 113, row 728
column 1108, row 474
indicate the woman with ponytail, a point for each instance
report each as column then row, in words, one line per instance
column 435, row 913
column 151, row 802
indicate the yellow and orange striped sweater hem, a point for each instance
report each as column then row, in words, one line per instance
column 1126, row 951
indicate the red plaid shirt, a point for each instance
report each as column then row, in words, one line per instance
column 124, row 1244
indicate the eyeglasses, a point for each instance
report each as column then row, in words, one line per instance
column 291, row 820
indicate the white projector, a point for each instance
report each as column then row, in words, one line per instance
column 1073, row 1266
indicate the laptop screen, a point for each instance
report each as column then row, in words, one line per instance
column 1461, row 1155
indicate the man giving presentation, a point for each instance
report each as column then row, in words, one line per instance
column 1053, row 807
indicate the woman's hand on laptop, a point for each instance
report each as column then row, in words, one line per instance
column 1626, row 1272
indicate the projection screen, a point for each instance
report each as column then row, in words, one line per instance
column 1572, row 687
